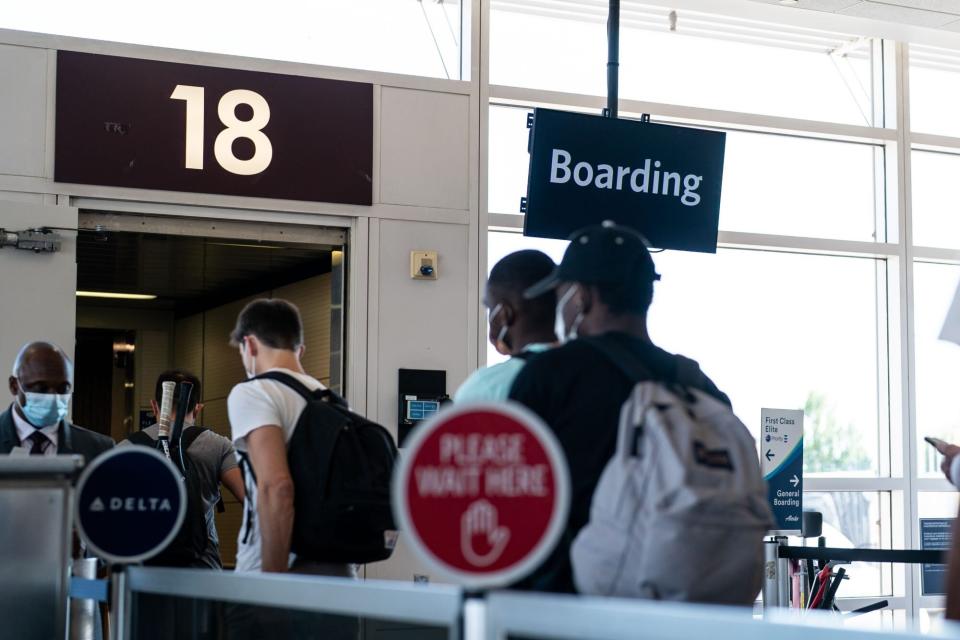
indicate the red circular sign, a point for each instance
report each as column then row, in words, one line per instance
column 483, row 492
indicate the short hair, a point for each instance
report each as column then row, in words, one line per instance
column 519, row 271
column 178, row 376
column 274, row 322
column 631, row 297
column 42, row 344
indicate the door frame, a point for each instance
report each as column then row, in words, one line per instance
column 351, row 233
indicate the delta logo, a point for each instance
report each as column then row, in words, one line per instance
column 116, row 504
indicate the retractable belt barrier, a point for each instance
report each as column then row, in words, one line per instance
column 836, row 554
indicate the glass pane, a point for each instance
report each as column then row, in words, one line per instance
column 772, row 184
column 934, row 90
column 158, row 617
column 381, row 35
column 783, row 331
column 708, row 61
column 859, row 521
column 937, row 362
column 936, row 212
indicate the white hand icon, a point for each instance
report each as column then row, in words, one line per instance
column 480, row 519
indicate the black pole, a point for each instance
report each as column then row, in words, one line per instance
column 613, row 59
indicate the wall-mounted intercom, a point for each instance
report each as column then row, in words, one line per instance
column 422, row 392
column 423, row 265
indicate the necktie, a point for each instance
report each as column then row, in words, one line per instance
column 39, row 441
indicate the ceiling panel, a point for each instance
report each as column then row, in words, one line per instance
column 187, row 272
column 924, row 13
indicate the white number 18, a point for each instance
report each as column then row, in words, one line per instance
column 235, row 128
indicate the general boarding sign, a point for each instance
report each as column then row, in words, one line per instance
column 663, row 181
column 126, row 122
column 781, row 459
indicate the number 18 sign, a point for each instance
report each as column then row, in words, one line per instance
column 126, row 122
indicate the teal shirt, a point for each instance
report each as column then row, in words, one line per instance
column 492, row 384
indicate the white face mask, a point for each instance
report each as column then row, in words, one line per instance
column 500, row 344
column 560, row 327
column 252, row 371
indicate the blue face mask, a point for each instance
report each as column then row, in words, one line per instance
column 45, row 409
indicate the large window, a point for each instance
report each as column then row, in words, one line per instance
column 707, row 61
column 803, row 187
column 839, row 247
column 400, row 36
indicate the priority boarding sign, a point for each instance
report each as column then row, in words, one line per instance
column 482, row 493
column 781, row 459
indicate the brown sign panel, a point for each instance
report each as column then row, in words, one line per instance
column 125, row 122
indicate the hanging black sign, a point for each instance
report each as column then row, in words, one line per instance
column 662, row 180
column 126, row 122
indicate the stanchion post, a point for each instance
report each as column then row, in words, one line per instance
column 783, row 575
column 771, row 585
column 119, row 614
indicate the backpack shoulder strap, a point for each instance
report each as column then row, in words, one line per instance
column 624, row 360
column 523, row 355
column 190, row 434
column 293, row 383
column 142, row 439
column 688, row 372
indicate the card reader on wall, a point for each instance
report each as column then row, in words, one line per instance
column 421, row 392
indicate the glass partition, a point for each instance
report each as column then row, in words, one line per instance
column 204, row 605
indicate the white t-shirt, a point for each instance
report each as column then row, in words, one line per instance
column 252, row 405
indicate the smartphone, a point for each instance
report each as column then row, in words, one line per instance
column 937, row 443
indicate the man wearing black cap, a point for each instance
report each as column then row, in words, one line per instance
column 604, row 287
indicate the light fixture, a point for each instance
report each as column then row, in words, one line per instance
column 115, row 296
column 240, row 245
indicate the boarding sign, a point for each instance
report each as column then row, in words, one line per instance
column 781, row 459
column 482, row 493
column 130, row 504
column 663, row 181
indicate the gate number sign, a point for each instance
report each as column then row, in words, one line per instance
column 126, row 122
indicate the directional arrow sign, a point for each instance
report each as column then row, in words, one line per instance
column 781, row 433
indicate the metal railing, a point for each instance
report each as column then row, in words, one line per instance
column 449, row 612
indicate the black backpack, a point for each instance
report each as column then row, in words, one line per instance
column 342, row 466
column 188, row 547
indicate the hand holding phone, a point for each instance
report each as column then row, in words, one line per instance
column 938, row 444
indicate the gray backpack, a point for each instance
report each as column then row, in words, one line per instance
column 681, row 510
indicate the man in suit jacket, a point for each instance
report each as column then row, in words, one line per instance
column 41, row 384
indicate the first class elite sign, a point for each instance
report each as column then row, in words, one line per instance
column 127, row 122
column 482, row 493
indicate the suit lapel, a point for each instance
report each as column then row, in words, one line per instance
column 65, row 438
column 8, row 432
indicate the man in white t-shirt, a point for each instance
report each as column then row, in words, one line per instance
column 263, row 415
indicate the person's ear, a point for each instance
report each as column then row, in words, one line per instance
column 253, row 345
column 156, row 409
column 14, row 386
column 508, row 315
column 302, row 350
column 196, row 411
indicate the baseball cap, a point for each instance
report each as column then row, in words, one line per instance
column 606, row 253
